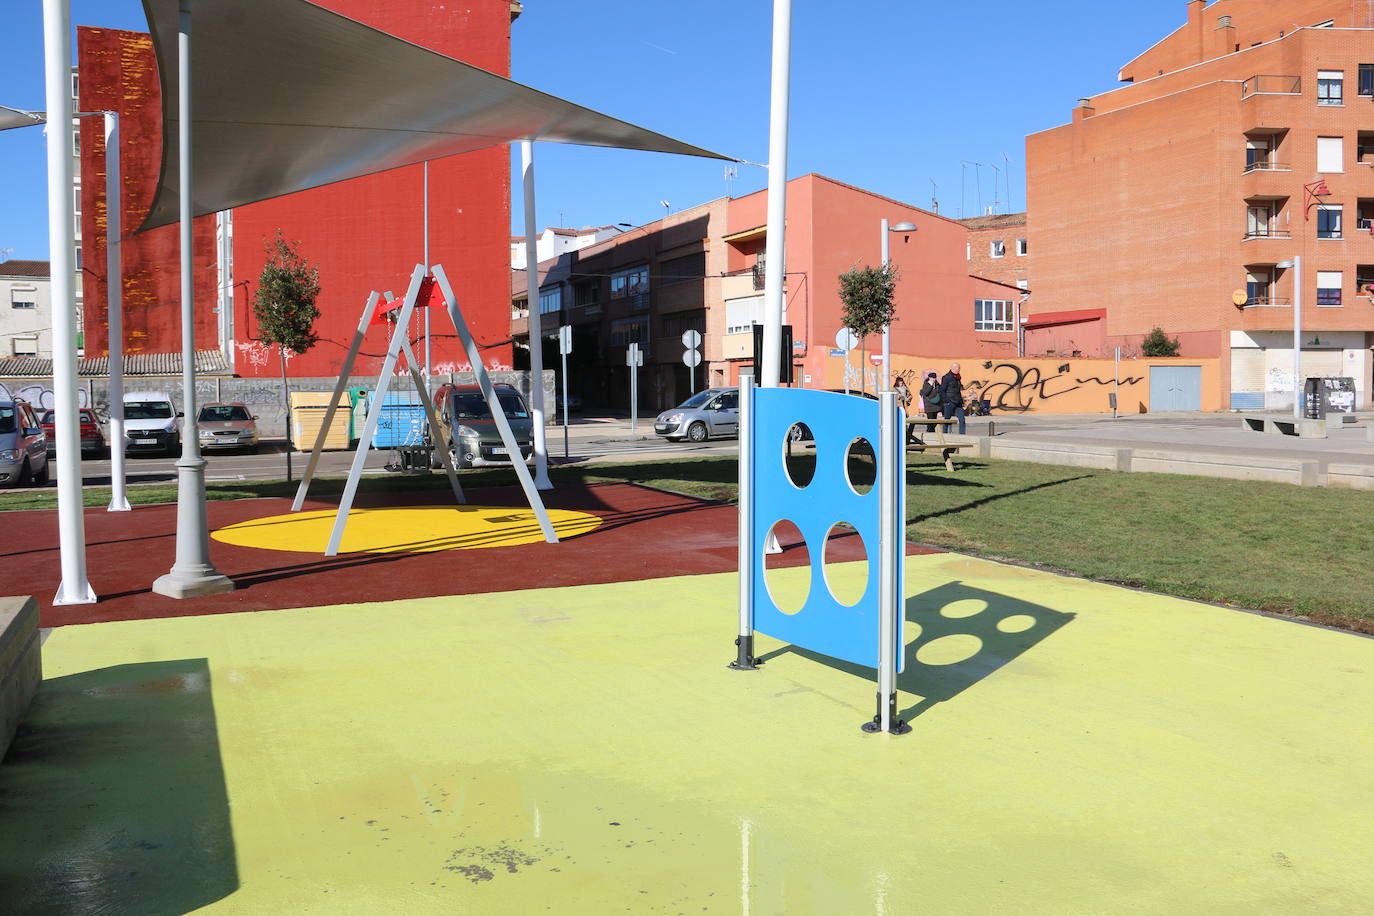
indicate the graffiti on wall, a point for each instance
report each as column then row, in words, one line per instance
column 1022, row 388
column 43, row 397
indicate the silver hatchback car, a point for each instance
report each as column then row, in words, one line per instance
column 713, row 412
column 224, row 426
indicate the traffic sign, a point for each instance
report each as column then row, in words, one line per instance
column 634, row 356
column 846, row 339
column 691, row 338
column 565, row 339
column 876, row 358
column 691, row 358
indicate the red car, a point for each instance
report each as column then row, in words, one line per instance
column 92, row 436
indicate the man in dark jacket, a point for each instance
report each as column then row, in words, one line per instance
column 952, row 395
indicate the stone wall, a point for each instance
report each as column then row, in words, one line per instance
column 262, row 395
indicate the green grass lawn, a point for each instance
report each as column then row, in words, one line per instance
column 1302, row 551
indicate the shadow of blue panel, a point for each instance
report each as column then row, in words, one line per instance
column 823, row 624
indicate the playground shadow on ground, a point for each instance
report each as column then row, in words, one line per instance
column 112, row 796
column 956, row 635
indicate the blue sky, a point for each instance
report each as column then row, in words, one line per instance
column 889, row 95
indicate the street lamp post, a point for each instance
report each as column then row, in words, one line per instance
column 904, row 227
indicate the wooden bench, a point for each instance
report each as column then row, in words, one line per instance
column 945, row 448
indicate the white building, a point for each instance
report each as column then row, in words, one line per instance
column 25, row 309
column 554, row 242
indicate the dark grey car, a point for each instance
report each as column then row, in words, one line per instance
column 475, row 441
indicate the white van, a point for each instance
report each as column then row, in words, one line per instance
column 151, row 423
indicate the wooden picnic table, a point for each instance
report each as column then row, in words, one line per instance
column 941, row 424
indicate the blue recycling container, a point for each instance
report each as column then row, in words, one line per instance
column 401, row 422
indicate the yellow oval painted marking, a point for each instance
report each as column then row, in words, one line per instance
column 408, row 529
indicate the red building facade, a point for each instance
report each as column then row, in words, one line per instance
column 362, row 235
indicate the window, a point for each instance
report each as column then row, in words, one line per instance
column 1330, row 154
column 80, row 264
column 76, row 86
column 992, row 315
column 584, row 294
column 630, row 330
column 76, row 200
column 1329, row 221
column 24, row 298
column 742, row 314
column 1023, row 284
column 1330, row 87
column 1022, row 247
column 1257, row 283
column 1257, row 152
column 76, row 143
column 1259, row 220
column 968, row 251
column 1366, row 79
column 679, row 323
column 26, row 346
column 551, row 301
column 1329, row 288
column 997, row 249
column 683, row 269
column 630, row 282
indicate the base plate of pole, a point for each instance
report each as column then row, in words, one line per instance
column 183, row 585
column 745, row 660
column 897, row 726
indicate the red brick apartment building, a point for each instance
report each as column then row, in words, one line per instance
column 1244, row 142
column 362, row 234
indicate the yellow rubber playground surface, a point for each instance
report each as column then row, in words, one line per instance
column 1077, row 748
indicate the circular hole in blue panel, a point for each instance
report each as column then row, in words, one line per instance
column 799, row 455
column 846, row 564
column 861, row 466
column 787, row 575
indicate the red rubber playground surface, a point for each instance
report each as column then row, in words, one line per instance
column 643, row 534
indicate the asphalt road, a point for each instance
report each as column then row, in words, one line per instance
column 270, row 463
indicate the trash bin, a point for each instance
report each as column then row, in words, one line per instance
column 401, row 421
column 1314, row 400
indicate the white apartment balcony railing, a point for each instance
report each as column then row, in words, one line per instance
column 1267, row 302
column 1267, row 165
column 1269, row 84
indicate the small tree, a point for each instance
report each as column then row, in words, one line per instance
column 868, row 295
column 284, row 306
column 1157, row 343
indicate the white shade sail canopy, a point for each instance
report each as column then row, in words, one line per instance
column 288, row 95
column 16, row 117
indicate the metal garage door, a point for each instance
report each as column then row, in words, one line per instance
column 1247, row 379
column 1175, row 388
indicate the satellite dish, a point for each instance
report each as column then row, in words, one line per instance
column 1240, row 297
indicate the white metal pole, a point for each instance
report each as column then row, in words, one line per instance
column 426, row 217
column 192, row 574
column 536, row 322
column 632, row 357
column 563, row 348
column 74, row 587
column 114, row 299
column 1297, row 337
column 887, row 373
column 775, row 249
column 891, row 542
column 748, row 542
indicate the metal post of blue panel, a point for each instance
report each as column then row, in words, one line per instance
column 744, row 642
column 891, row 540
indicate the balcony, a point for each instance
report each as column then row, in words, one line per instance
column 1263, row 232
column 1267, row 164
column 1268, row 84
column 1267, row 302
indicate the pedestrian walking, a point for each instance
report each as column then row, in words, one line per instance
column 930, row 399
column 952, row 395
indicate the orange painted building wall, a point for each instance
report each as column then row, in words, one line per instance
column 368, row 233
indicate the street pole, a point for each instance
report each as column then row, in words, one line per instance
column 536, row 322
column 632, row 357
column 426, row 218
column 564, row 348
column 775, row 250
column 887, row 374
column 114, row 302
column 1297, row 337
column 74, row 587
column 192, row 574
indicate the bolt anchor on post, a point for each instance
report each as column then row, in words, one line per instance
column 898, row 726
column 744, row 659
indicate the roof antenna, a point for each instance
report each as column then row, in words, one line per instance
column 934, row 196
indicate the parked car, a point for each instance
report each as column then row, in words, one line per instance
column 225, row 426
column 713, row 412
column 92, row 436
column 474, row 439
column 23, row 445
column 151, row 423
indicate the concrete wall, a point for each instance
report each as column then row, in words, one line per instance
column 262, row 395
column 34, row 322
column 1039, row 385
column 20, row 665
